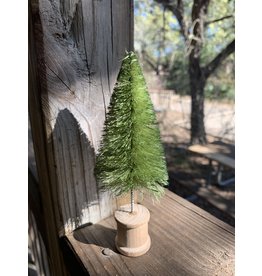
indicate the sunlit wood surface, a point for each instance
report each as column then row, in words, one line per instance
column 185, row 241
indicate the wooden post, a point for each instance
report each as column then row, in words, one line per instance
column 75, row 52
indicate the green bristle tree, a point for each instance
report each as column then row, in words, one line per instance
column 131, row 155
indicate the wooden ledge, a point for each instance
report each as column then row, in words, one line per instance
column 186, row 240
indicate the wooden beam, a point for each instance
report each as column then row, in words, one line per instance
column 52, row 243
column 75, row 52
column 79, row 47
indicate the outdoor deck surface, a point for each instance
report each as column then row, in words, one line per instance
column 185, row 241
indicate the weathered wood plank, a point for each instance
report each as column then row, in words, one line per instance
column 38, row 132
column 185, row 241
column 79, row 46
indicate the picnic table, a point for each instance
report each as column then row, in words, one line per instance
column 213, row 153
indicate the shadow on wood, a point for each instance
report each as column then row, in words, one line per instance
column 76, row 191
column 101, row 236
column 73, row 263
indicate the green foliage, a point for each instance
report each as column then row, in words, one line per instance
column 155, row 34
column 218, row 34
column 131, row 156
column 221, row 84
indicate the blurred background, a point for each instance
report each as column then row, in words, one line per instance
column 186, row 49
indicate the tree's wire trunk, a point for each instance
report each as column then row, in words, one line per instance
column 132, row 200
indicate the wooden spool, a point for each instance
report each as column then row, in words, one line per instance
column 132, row 237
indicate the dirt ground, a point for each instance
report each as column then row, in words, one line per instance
column 187, row 178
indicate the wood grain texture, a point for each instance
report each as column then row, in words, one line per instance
column 55, row 258
column 79, row 47
column 185, row 241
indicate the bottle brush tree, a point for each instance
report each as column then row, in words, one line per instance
column 131, row 156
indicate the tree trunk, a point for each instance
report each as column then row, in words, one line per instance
column 197, row 85
column 197, row 74
column 198, row 134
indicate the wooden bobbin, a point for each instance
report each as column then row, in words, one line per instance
column 132, row 237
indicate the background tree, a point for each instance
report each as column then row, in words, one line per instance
column 203, row 32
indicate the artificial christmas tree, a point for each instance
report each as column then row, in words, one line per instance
column 131, row 156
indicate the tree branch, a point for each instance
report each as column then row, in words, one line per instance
column 212, row 66
column 198, row 14
column 219, row 19
column 178, row 11
column 149, row 61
